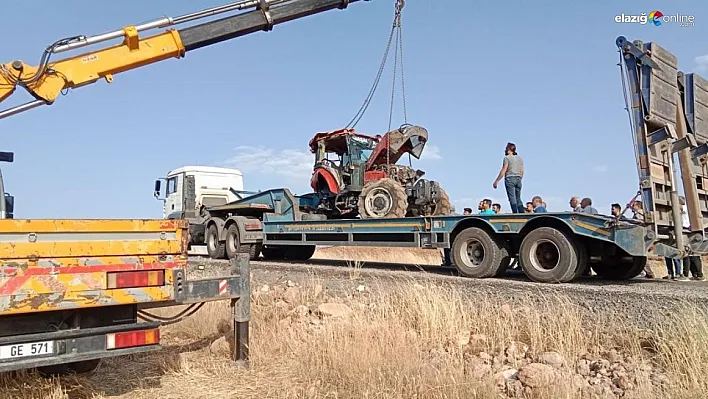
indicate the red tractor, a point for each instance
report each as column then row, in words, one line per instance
column 365, row 180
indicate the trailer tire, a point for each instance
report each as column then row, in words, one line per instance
column 616, row 268
column 273, row 253
column 299, row 252
column 233, row 244
column 477, row 254
column 583, row 260
column 215, row 248
column 548, row 255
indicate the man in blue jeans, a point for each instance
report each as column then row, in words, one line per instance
column 513, row 172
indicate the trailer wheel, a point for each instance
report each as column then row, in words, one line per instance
column 619, row 267
column 299, row 252
column 215, row 248
column 273, row 253
column 476, row 254
column 548, row 255
column 233, row 242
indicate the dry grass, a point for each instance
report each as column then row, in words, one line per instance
column 408, row 256
column 403, row 341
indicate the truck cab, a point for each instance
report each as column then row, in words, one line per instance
column 211, row 186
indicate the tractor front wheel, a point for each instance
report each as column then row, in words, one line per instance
column 383, row 199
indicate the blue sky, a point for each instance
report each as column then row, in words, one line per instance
column 477, row 75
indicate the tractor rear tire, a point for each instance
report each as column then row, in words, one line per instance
column 444, row 207
column 383, row 199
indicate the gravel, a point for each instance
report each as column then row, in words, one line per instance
column 641, row 301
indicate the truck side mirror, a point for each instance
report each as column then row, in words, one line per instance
column 158, row 185
column 9, row 205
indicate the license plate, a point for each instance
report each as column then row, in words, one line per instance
column 26, row 350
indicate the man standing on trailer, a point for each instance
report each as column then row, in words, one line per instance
column 496, row 208
column 575, row 204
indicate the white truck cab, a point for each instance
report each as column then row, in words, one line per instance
column 212, row 186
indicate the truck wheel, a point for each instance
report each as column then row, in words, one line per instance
column 384, row 198
column 273, row 253
column 548, row 255
column 619, row 267
column 299, row 252
column 444, row 207
column 476, row 254
column 254, row 251
column 233, row 242
column 215, row 248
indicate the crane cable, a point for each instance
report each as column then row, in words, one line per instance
column 398, row 51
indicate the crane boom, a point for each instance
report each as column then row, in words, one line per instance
column 46, row 81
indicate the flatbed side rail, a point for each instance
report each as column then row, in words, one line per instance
column 437, row 232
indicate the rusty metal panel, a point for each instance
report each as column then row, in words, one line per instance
column 21, row 239
column 663, row 85
column 63, row 264
column 55, row 284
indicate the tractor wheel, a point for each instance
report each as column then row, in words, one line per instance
column 443, row 208
column 381, row 199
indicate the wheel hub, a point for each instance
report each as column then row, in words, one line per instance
column 378, row 202
column 545, row 255
column 473, row 253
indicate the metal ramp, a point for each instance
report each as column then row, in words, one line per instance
column 668, row 113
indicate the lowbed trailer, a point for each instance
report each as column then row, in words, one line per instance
column 73, row 291
column 551, row 247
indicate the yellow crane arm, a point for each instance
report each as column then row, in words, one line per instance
column 46, row 81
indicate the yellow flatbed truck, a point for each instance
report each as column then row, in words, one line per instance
column 72, row 291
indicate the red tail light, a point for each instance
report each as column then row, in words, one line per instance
column 132, row 339
column 148, row 278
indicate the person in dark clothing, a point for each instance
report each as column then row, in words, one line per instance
column 617, row 212
column 694, row 265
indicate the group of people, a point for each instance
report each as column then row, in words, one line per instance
column 512, row 171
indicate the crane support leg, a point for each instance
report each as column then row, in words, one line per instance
column 203, row 35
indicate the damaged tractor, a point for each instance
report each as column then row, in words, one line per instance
column 363, row 178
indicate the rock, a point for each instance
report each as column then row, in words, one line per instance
column 583, row 367
column 361, row 288
column 265, row 288
column 290, row 283
column 334, row 309
column 537, row 375
column 553, row 359
column 291, row 295
column 579, row 382
column 613, row 356
column 476, row 368
column 221, row 346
